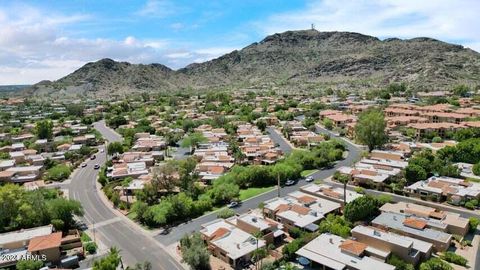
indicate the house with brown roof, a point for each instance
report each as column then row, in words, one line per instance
column 47, row 246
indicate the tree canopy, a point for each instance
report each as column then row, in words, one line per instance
column 22, row 209
column 44, row 129
column 370, row 129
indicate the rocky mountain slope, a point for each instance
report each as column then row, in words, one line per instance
column 292, row 60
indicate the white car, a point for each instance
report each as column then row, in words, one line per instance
column 309, row 179
column 83, row 165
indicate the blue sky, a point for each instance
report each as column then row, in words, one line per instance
column 49, row 39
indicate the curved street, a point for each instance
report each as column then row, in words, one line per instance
column 354, row 153
column 107, row 225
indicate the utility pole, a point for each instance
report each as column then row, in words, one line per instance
column 313, row 26
column 278, row 184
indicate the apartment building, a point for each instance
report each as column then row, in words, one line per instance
column 253, row 222
column 407, row 248
column 229, row 243
column 454, row 223
column 329, row 251
column 299, row 210
column 445, row 188
column 416, row 227
column 330, row 193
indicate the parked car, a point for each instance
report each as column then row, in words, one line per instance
column 289, row 183
column 309, row 179
column 93, row 157
column 233, row 204
column 96, row 167
column 84, row 165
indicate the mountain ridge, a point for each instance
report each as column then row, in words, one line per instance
column 292, row 60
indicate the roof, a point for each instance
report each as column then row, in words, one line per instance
column 25, row 235
column 393, row 238
column 396, row 222
column 45, row 242
column 325, row 250
column 353, row 247
column 415, row 223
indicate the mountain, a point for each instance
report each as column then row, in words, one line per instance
column 291, row 61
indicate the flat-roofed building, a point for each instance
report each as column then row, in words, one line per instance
column 446, row 188
column 329, row 251
column 21, row 238
column 253, row 222
column 299, row 210
column 419, row 228
column 409, row 249
column 455, row 224
column 229, row 243
column 330, row 193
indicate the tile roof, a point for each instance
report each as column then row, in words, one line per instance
column 45, row 242
column 353, row 247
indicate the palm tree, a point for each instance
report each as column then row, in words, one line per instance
column 258, row 235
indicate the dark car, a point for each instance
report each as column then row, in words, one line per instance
column 96, row 167
column 93, row 157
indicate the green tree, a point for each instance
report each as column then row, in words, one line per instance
column 225, row 213
column 109, row 262
column 435, row 264
column 58, row 172
column 476, row 169
column 361, row 209
column 193, row 140
column 114, row 148
column 75, row 109
column 262, row 125
column 64, row 210
column 461, row 90
column 452, row 257
column 29, row 265
column 370, row 129
column 473, row 222
column 399, row 263
column 194, row 251
column 328, row 124
column 335, row 225
column 44, row 129
column 414, row 173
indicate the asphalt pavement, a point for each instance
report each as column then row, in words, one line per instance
column 106, row 225
column 174, row 234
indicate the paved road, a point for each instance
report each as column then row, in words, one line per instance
column 194, row 225
column 111, row 229
column 279, row 139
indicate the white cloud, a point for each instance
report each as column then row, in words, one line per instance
column 441, row 19
column 158, row 9
column 34, row 46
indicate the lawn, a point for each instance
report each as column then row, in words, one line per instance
column 252, row 192
column 307, row 172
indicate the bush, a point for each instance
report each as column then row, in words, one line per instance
column 437, row 140
column 452, row 257
column 29, row 265
column 473, row 221
column 91, row 247
column 295, row 232
column 225, row 213
column 435, row 264
column 399, row 263
column 361, row 209
column 359, row 190
column 476, row 169
column 58, row 172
